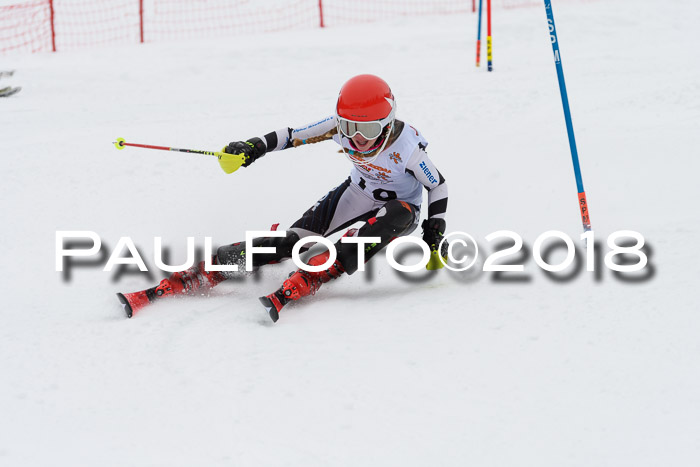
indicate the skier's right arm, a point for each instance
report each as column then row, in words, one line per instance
column 255, row 148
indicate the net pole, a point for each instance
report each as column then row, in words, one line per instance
column 53, row 28
column 141, row 19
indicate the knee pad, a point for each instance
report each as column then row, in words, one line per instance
column 395, row 218
column 231, row 254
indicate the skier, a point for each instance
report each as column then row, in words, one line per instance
column 384, row 190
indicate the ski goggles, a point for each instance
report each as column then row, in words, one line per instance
column 368, row 130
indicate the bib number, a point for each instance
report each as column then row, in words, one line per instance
column 379, row 194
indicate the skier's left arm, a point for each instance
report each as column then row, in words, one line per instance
column 424, row 170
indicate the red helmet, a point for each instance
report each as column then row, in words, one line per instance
column 365, row 106
column 365, row 98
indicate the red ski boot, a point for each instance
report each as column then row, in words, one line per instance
column 180, row 283
column 300, row 284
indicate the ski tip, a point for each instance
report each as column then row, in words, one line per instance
column 10, row 91
column 125, row 305
column 270, row 307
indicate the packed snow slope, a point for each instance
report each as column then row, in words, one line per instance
column 376, row 369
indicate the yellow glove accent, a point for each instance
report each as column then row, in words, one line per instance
column 230, row 162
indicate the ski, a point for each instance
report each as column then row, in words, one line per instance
column 135, row 301
column 301, row 283
column 273, row 303
column 8, row 91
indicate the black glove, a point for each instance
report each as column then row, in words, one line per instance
column 253, row 149
column 433, row 232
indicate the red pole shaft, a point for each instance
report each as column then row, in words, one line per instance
column 120, row 142
column 147, row 146
column 53, row 29
column 141, row 18
column 320, row 11
column 488, row 26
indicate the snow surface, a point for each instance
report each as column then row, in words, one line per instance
column 373, row 370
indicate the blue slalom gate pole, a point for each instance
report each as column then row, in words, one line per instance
column 478, row 36
column 583, row 204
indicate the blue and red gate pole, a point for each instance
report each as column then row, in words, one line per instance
column 583, row 204
column 478, row 36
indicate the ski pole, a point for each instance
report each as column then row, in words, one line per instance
column 229, row 162
column 583, row 204
column 478, row 36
